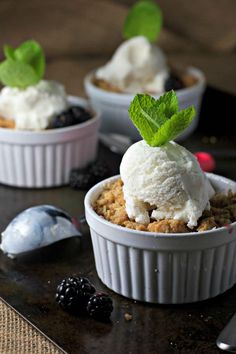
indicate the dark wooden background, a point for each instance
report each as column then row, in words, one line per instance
column 80, row 35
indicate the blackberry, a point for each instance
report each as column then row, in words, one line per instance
column 74, row 115
column 173, row 83
column 80, row 114
column 73, row 294
column 100, row 306
column 100, row 170
column 80, row 179
column 88, row 177
column 62, row 120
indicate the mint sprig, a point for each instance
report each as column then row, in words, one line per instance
column 23, row 66
column 144, row 19
column 159, row 121
column 8, row 52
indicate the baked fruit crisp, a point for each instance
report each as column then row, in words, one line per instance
column 27, row 101
column 139, row 64
column 177, row 79
column 111, row 206
column 162, row 187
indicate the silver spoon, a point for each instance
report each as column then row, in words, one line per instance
column 227, row 338
column 117, row 143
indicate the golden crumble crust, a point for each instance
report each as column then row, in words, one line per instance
column 187, row 79
column 168, row 226
column 7, row 123
column 207, row 224
column 111, row 206
column 104, row 85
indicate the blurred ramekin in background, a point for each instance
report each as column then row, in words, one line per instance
column 45, row 158
column 114, row 106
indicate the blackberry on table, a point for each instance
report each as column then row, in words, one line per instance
column 87, row 177
column 100, row 306
column 73, row 294
column 80, row 179
column 173, row 82
column 100, row 170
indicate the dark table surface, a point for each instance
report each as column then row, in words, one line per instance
column 29, row 282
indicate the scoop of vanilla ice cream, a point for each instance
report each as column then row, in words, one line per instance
column 166, row 181
column 136, row 66
column 33, row 108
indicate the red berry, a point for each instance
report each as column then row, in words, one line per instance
column 206, row 161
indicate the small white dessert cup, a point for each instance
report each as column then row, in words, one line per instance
column 163, row 268
column 114, row 106
column 45, row 158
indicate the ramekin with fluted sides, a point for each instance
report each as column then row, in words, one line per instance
column 163, row 268
column 45, row 158
column 114, row 106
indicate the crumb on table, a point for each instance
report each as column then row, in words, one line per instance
column 128, row 317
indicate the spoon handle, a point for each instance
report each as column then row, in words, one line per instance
column 117, row 143
column 227, row 338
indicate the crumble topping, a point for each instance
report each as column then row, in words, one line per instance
column 7, row 123
column 187, row 79
column 104, row 85
column 111, row 206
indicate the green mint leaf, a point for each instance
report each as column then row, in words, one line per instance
column 30, row 52
column 170, row 100
column 23, row 66
column 173, row 127
column 159, row 121
column 17, row 74
column 147, row 115
column 144, row 19
column 8, row 52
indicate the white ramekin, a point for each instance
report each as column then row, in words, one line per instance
column 45, row 159
column 114, row 106
column 163, row 268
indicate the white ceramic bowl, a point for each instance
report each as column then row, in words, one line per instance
column 163, row 268
column 44, row 159
column 114, row 106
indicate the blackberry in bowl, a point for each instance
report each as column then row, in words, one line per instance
column 72, row 116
